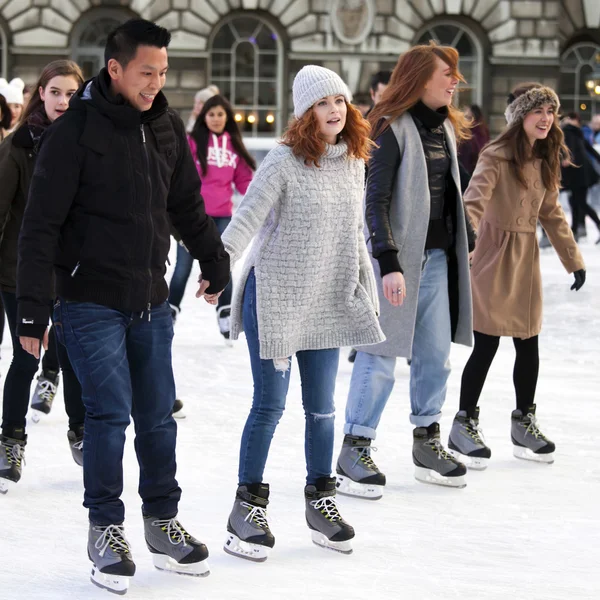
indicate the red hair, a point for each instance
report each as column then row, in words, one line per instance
column 303, row 136
column 412, row 71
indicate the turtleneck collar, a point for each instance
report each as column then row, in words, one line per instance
column 430, row 118
column 338, row 150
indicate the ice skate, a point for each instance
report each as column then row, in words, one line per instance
column 112, row 563
column 357, row 474
column 248, row 533
column 328, row 529
column 174, row 549
column 529, row 443
column 224, row 320
column 12, row 459
column 432, row 463
column 466, row 441
column 178, row 409
column 75, row 437
column 44, row 394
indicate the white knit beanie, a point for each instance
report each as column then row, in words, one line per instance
column 13, row 91
column 313, row 83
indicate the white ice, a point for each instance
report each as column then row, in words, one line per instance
column 518, row 530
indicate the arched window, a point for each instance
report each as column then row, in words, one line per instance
column 3, row 53
column 247, row 64
column 576, row 65
column 89, row 38
column 451, row 33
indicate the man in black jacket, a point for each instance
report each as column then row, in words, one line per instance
column 112, row 174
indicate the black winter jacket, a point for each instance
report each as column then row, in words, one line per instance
column 107, row 181
column 583, row 174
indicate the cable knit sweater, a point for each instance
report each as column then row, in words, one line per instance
column 315, row 285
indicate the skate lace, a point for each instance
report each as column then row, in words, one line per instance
column 47, row 390
column 475, row 431
column 328, row 508
column 439, row 449
column 174, row 530
column 113, row 536
column 364, row 456
column 533, row 428
column 258, row 514
column 15, row 454
column 78, row 445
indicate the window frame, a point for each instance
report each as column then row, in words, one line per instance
column 593, row 103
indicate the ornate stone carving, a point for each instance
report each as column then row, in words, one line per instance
column 352, row 20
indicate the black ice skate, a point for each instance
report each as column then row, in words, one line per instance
column 75, row 437
column 112, row 563
column 357, row 473
column 248, row 533
column 529, row 443
column 12, row 459
column 323, row 518
column 174, row 549
column 44, row 394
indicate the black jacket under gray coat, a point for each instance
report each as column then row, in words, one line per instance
column 107, row 182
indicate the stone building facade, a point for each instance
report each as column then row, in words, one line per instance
column 252, row 48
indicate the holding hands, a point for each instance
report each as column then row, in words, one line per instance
column 394, row 288
column 204, row 285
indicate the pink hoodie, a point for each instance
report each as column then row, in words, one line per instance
column 225, row 169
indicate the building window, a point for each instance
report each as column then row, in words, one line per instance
column 89, row 39
column 469, row 48
column 576, row 65
column 246, row 65
column 3, row 55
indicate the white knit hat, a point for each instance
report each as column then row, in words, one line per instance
column 13, row 91
column 206, row 93
column 313, row 83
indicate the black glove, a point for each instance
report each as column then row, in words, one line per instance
column 579, row 279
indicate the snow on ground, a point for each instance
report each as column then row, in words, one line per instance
column 518, row 530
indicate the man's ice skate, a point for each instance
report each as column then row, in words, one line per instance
column 174, row 549
column 466, row 441
column 529, row 443
column 357, row 474
column 12, row 459
column 248, row 533
column 75, row 437
column 323, row 517
column 178, row 409
column 224, row 320
column 44, row 394
column 432, row 463
column 112, row 563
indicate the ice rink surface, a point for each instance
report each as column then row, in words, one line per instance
column 518, row 530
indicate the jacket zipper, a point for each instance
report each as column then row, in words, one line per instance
column 149, row 210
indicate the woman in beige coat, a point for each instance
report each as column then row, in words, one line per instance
column 516, row 182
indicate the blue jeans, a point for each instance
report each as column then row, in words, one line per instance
column 183, row 268
column 123, row 361
column 373, row 376
column 318, row 370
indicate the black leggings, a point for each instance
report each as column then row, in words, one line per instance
column 580, row 209
column 17, row 385
column 525, row 374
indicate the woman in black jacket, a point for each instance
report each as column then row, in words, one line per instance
column 578, row 174
column 58, row 82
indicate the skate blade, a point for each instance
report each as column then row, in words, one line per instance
column 476, row 463
column 37, row 415
column 116, row 584
column 254, row 552
column 165, row 563
column 430, row 476
column 349, row 487
column 527, row 454
column 322, row 540
column 179, row 414
column 5, row 485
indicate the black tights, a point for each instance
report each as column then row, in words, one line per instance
column 525, row 374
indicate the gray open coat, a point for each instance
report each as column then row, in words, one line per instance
column 409, row 219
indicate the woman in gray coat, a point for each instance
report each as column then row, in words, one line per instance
column 420, row 242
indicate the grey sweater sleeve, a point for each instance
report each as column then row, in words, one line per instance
column 261, row 197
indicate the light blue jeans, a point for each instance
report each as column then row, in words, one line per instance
column 373, row 376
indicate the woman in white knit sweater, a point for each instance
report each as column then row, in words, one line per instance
column 307, row 289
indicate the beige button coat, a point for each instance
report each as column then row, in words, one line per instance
column 505, row 273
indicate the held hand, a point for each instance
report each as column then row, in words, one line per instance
column 579, row 279
column 204, row 285
column 394, row 288
column 32, row 345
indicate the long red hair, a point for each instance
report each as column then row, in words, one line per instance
column 303, row 136
column 412, row 71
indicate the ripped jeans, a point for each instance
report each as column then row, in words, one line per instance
column 318, row 370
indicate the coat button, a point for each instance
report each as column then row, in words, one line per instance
column 519, row 220
column 537, row 184
column 533, row 221
column 522, row 202
column 534, row 205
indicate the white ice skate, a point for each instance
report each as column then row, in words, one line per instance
column 320, row 539
column 117, row 584
column 348, row 487
column 236, row 547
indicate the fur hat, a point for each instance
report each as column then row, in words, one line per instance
column 528, row 101
column 313, row 83
column 13, row 91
